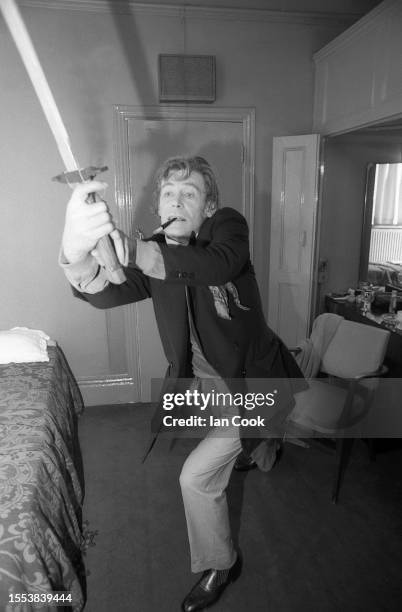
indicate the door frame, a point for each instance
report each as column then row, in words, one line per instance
column 125, row 202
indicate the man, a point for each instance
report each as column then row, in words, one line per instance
column 212, row 327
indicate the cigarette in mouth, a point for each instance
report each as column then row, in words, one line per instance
column 159, row 229
column 164, row 226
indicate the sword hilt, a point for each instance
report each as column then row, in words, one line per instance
column 79, row 176
column 105, row 245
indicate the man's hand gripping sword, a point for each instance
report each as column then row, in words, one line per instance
column 104, row 247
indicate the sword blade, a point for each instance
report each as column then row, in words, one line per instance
column 23, row 42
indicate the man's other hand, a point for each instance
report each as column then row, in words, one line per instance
column 121, row 246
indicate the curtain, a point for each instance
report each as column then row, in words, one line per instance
column 387, row 209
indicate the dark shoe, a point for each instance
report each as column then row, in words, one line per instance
column 210, row 587
column 244, row 463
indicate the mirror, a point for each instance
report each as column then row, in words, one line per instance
column 381, row 249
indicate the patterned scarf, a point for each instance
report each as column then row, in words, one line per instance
column 221, row 299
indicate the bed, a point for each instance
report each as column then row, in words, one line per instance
column 41, row 485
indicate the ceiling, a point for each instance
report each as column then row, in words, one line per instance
column 356, row 7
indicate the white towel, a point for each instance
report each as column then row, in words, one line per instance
column 309, row 358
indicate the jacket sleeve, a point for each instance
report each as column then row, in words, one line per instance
column 219, row 261
column 135, row 288
column 90, row 282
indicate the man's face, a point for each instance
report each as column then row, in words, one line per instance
column 185, row 199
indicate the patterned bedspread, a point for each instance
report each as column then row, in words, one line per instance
column 41, row 484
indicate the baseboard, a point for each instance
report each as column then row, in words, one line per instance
column 100, row 392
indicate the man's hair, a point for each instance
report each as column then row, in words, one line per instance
column 185, row 166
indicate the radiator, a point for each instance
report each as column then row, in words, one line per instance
column 385, row 244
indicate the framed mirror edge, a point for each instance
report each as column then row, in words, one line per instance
column 367, row 226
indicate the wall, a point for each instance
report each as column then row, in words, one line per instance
column 94, row 60
column 342, row 205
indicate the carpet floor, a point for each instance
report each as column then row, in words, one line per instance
column 300, row 551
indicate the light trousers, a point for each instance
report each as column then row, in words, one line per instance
column 206, row 472
column 203, row 480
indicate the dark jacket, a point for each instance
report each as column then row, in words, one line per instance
column 239, row 348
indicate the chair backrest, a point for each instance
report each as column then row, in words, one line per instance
column 355, row 349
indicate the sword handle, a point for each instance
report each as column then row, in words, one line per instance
column 106, row 250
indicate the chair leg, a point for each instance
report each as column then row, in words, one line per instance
column 343, row 448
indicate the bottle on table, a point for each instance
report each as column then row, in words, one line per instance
column 392, row 302
column 366, row 301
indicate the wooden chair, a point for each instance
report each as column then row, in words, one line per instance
column 339, row 396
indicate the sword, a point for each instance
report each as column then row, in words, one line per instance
column 73, row 174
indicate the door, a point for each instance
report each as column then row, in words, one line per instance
column 145, row 138
column 293, row 236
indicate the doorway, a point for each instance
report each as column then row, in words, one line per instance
column 144, row 138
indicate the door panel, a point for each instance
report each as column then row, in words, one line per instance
column 153, row 141
column 293, row 229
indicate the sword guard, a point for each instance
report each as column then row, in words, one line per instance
column 79, row 176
